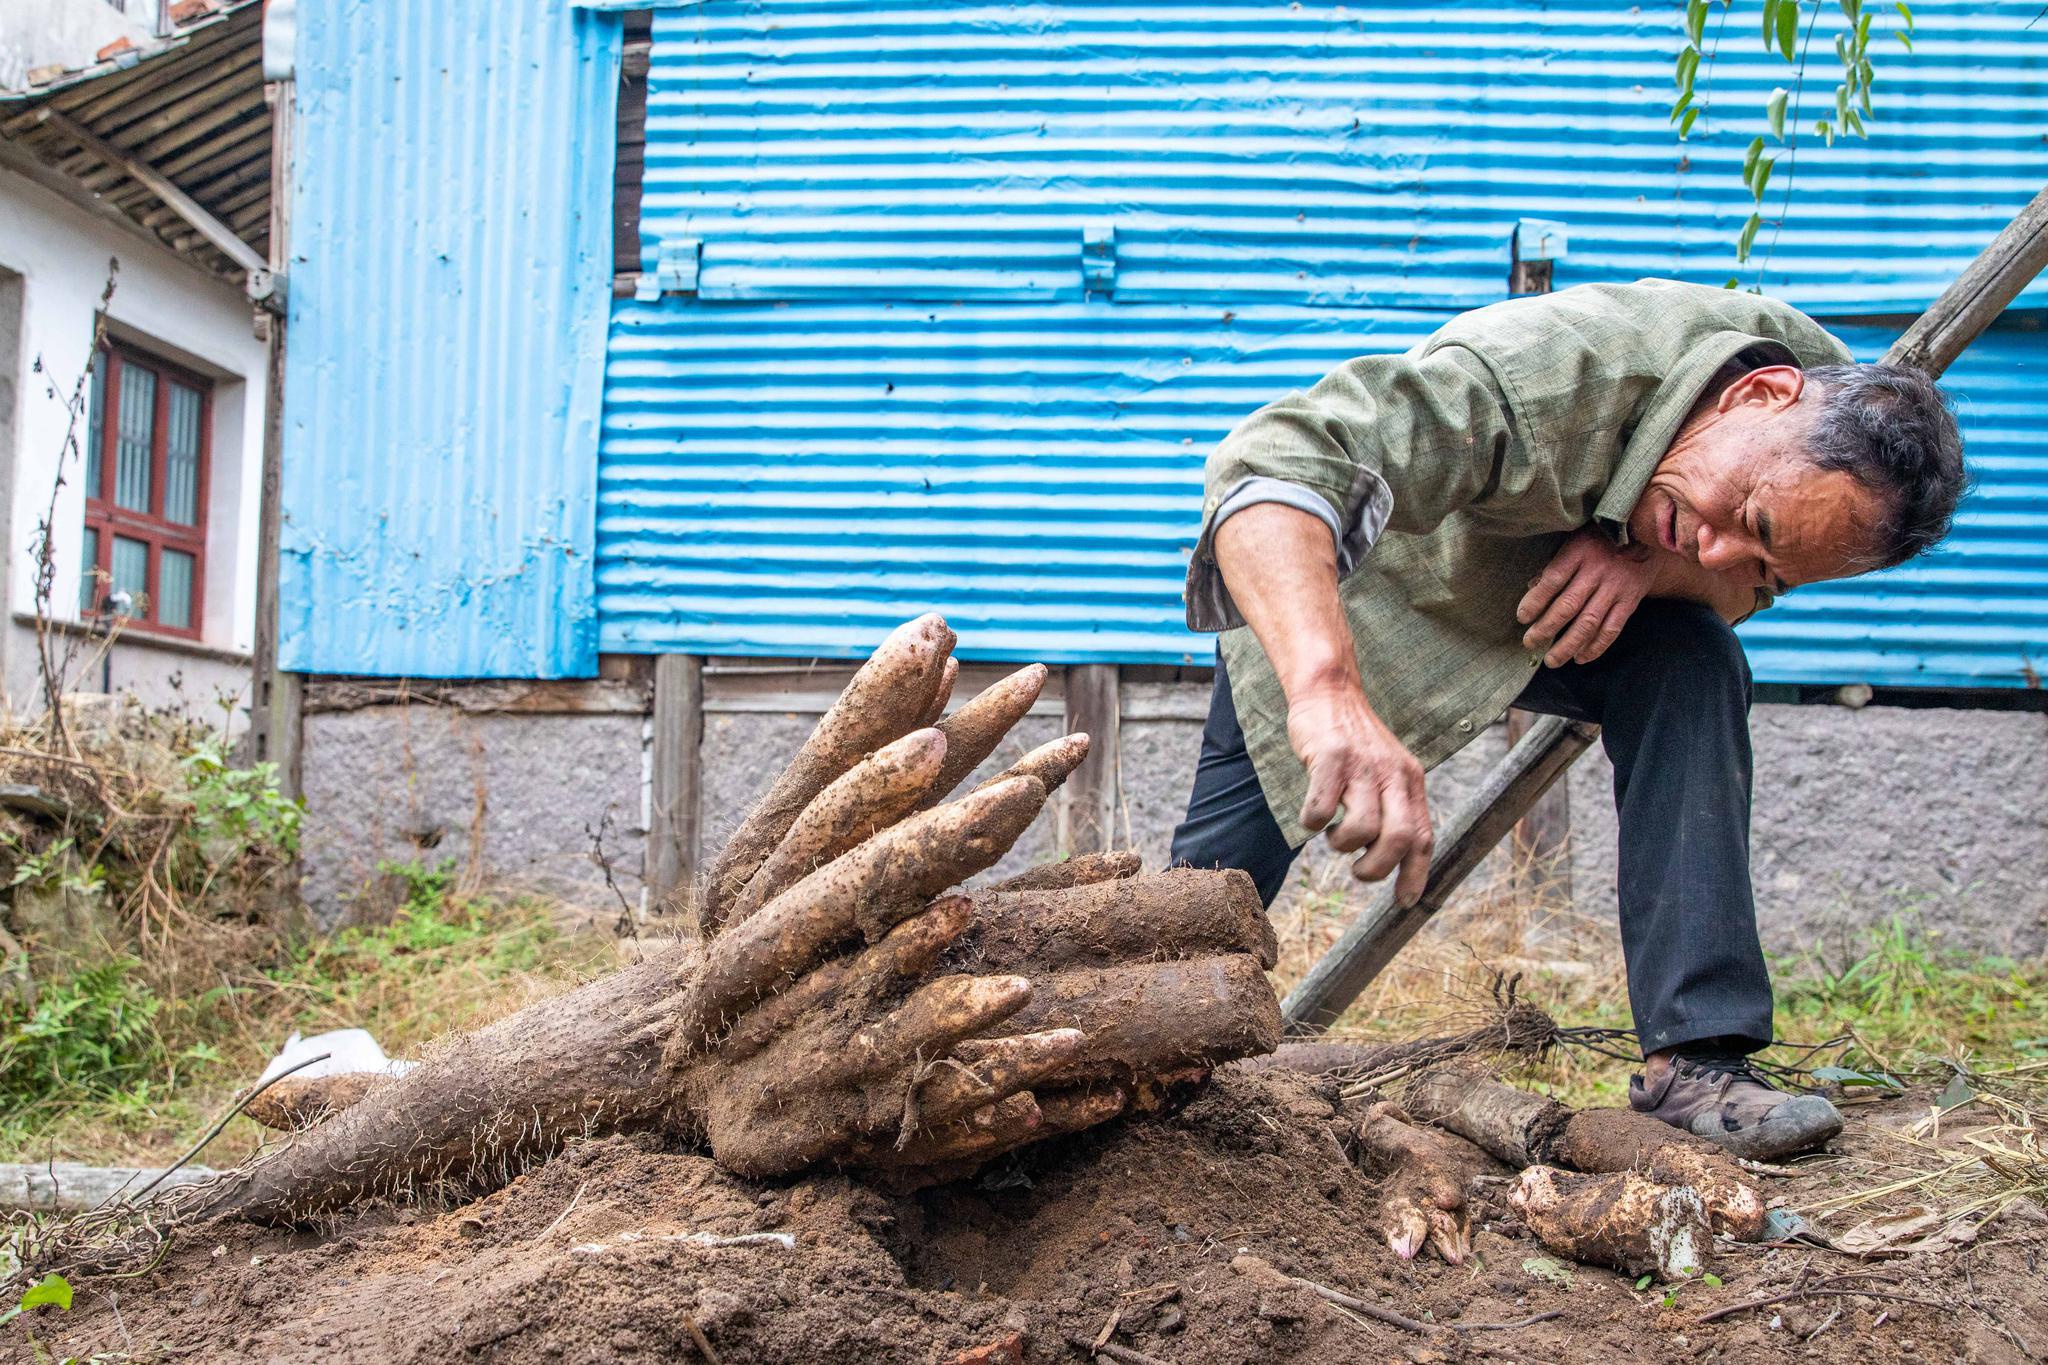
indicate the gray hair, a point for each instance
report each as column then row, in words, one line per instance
column 1893, row 430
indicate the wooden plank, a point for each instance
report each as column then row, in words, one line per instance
column 209, row 227
column 507, row 696
column 675, row 807
column 1088, row 808
column 1462, row 844
column 1979, row 294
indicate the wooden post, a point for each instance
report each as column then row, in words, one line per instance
column 1542, row 845
column 1932, row 343
column 1094, row 706
column 1543, row 848
column 673, row 838
column 276, row 718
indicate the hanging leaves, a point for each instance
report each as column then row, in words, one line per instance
column 1781, row 22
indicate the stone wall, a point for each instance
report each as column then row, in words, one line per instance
column 1859, row 814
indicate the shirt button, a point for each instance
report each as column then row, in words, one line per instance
column 1464, row 727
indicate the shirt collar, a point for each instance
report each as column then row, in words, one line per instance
column 1661, row 419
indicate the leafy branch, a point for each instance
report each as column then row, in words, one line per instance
column 1852, row 111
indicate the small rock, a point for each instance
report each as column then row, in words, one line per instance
column 1170, row 1320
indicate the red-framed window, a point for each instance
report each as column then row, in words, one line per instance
column 149, row 437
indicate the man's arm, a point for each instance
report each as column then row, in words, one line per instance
column 1280, row 566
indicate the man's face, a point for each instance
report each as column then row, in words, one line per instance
column 1738, row 495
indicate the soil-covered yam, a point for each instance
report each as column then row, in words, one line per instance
column 973, row 732
column 1173, row 914
column 1624, row 1220
column 1083, row 869
column 1428, row 1178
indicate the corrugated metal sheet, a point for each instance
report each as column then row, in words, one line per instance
column 1975, row 612
column 449, row 287
column 893, row 394
column 1348, row 154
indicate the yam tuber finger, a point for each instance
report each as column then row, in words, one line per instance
column 904, row 864
column 1426, row 1179
column 1083, row 869
column 1052, row 762
column 869, row 797
column 908, row 950
column 941, row 693
column 1177, row 913
column 973, row 732
column 297, row 1102
column 1144, row 1018
column 934, row 1018
column 993, row 1128
column 990, row 1068
column 886, row 699
column 1608, row 1140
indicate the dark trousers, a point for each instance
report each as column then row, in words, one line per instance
column 1671, row 698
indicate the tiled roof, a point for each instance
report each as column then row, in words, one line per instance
column 188, row 108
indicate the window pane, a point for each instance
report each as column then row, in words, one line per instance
column 174, row 590
column 88, row 578
column 95, row 424
column 181, row 457
column 132, row 451
column 131, row 573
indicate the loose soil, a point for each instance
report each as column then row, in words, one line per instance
column 1125, row 1235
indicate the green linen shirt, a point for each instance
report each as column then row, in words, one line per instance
column 1472, row 456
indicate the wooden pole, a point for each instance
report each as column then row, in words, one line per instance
column 674, row 835
column 1482, row 822
column 276, row 698
column 1932, row 343
column 1094, row 707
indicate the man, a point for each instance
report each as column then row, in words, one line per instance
column 1561, row 503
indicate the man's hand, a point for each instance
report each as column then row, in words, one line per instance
column 1281, row 567
column 1584, row 596
column 1357, row 766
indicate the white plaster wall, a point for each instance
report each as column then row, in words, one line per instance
column 175, row 310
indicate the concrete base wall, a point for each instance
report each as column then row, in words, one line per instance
column 1859, row 815
column 512, row 801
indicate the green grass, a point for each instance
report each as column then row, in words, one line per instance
column 1900, row 999
column 126, row 1062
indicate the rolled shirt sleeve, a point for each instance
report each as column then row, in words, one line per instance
column 1431, row 423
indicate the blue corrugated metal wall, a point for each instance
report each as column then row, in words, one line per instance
column 894, row 392
column 450, row 282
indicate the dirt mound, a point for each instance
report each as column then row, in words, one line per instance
column 1168, row 1238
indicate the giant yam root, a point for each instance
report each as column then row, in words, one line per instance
column 849, row 1012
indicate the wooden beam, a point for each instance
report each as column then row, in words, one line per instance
column 188, row 208
column 1482, row 822
column 676, row 809
column 1088, row 813
column 24, row 164
column 490, row 696
column 1978, row 295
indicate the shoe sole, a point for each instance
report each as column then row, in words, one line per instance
column 1800, row 1124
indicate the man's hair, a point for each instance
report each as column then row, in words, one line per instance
column 1892, row 429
